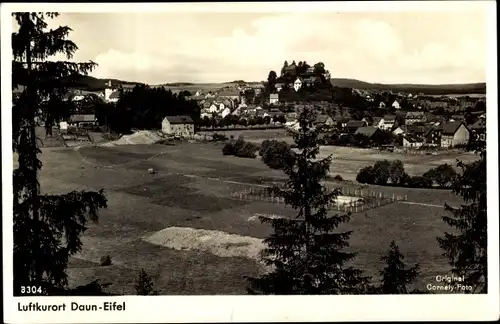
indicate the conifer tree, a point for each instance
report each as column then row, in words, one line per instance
column 47, row 228
column 466, row 246
column 144, row 285
column 305, row 254
column 396, row 276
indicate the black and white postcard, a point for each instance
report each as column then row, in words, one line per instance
column 247, row 162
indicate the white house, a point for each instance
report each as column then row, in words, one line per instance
column 225, row 112
column 398, row 131
column 78, row 98
column 178, row 125
column 412, row 142
column 454, row 133
column 378, row 122
column 388, row 122
column 274, row 98
column 297, row 84
column 213, row 108
column 114, row 97
column 381, row 105
column 396, row 105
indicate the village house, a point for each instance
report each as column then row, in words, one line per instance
column 398, row 131
column 229, row 94
column 297, row 85
column 368, row 120
column 274, row 99
column 279, row 86
column 388, row 122
column 377, row 122
column 478, row 129
column 412, row 141
column 453, row 134
column 381, row 105
column 324, row 121
column 341, row 122
column 76, row 121
column 396, row 105
column 353, row 125
column 414, row 117
column 178, row 125
column 456, row 118
column 371, row 132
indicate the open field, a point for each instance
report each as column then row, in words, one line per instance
column 182, row 226
column 349, row 160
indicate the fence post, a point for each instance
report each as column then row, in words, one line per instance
column 378, row 203
column 356, row 208
column 362, row 208
column 241, row 196
column 406, row 197
column 393, row 197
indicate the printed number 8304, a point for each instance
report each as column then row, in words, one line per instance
column 31, row 290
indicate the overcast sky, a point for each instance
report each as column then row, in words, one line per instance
column 404, row 47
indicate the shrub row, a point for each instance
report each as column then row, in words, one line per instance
column 386, row 173
column 240, row 148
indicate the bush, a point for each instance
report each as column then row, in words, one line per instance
column 382, row 173
column 228, row 149
column 444, row 175
column 418, row 182
column 338, row 177
column 276, row 154
column 106, row 261
column 219, row 137
column 366, row 175
column 240, row 148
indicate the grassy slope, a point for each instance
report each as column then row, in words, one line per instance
column 140, row 204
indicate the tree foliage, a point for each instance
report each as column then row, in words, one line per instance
column 396, row 276
column 47, row 228
column 144, row 285
column 240, row 148
column 466, row 246
column 276, row 154
column 443, row 175
column 145, row 107
column 305, row 254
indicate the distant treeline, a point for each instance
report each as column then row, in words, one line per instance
column 441, row 89
column 90, row 83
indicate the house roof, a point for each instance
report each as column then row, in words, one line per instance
column 114, row 95
column 82, row 118
column 355, row 124
column 179, row 119
column 321, row 119
column 413, row 138
column 376, row 120
column 367, row 130
column 450, row 128
column 389, row 117
column 273, row 96
column 415, row 115
column 415, row 129
column 479, row 124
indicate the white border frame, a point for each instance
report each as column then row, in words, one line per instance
column 268, row 308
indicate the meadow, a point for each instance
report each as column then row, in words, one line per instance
column 182, row 226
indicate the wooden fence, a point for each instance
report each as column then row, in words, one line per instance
column 368, row 199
